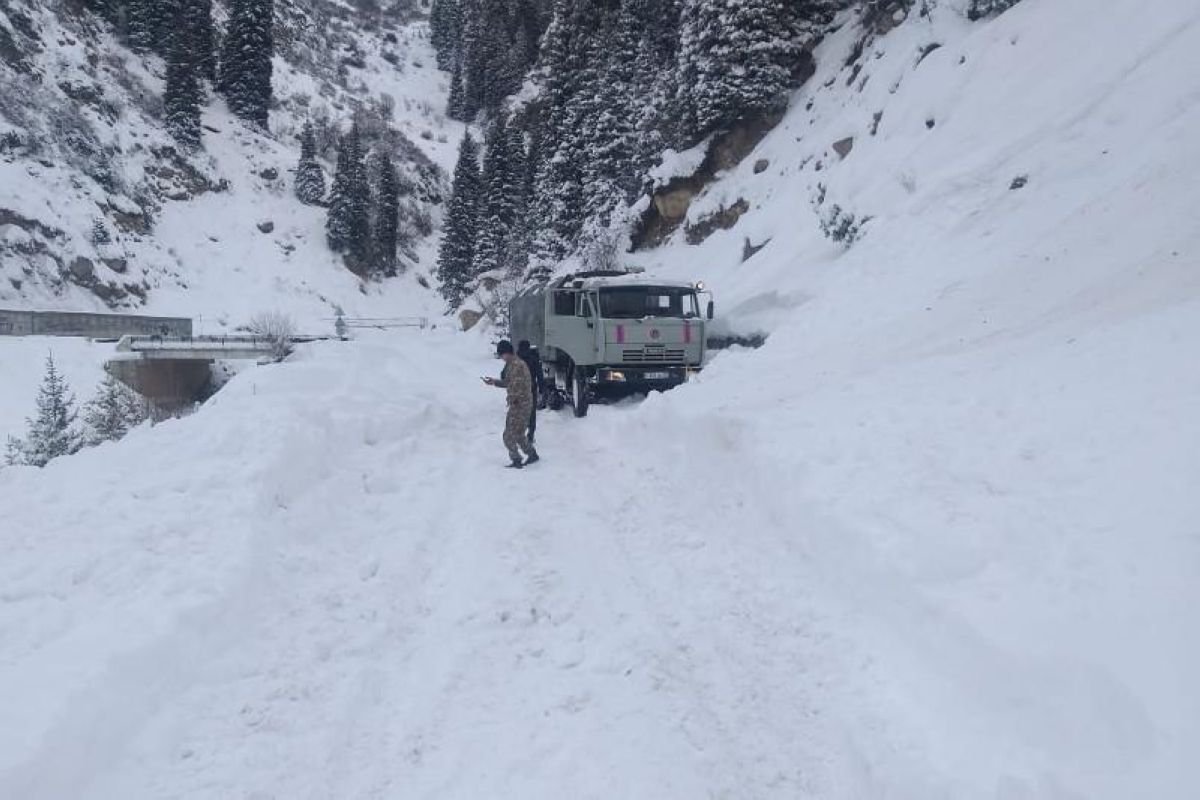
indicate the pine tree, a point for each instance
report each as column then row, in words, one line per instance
column 736, row 59
column 246, row 53
column 462, row 223
column 112, row 413
column 387, row 216
column 516, row 251
column 14, row 452
column 457, row 106
column 445, row 30
column 198, row 24
column 347, row 228
column 569, row 85
column 310, row 178
column 52, row 432
column 181, row 98
column 146, row 21
column 495, row 212
column 109, row 9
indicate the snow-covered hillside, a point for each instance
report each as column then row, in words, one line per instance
column 938, row 538
column 218, row 234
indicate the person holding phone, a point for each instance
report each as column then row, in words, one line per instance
column 518, row 382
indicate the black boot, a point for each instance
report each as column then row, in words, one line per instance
column 533, row 458
column 516, row 463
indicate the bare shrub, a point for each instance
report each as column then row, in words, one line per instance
column 277, row 328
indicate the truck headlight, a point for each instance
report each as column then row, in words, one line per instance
column 616, row 375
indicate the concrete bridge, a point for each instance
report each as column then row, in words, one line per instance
column 173, row 372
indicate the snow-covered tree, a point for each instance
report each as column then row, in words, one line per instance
column 148, row 23
column 310, row 178
column 456, row 258
column 111, row 413
column 736, row 59
column 181, row 97
column 14, row 452
column 197, row 24
column 387, row 216
column 52, row 432
column 100, row 233
column 501, row 184
column 246, row 53
column 347, row 228
column 456, row 106
column 445, row 31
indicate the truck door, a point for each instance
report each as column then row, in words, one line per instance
column 562, row 304
column 587, row 310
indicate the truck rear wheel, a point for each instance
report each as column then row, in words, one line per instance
column 579, row 392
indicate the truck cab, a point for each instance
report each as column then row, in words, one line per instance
column 610, row 334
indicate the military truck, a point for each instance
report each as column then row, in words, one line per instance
column 607, row 334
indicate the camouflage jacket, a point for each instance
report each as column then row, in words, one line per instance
column 516, row 379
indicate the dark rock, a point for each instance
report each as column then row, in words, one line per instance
column 469, row 318
column 670, row 203
column 843, row 146
column 761, row 165
column 136, row 223
column 749, row 250
column 1019, row 182
column 82, row 269
column 875, row 122
column 109, row 292
column 926, row 50
column 118, row 265
column 722, row 220
column 730, row 148
column 266, row 226
column 269, row 174
column 753, row 340
column 929, row 123
column 9, row 217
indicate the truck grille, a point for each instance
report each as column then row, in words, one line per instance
column 652, row 355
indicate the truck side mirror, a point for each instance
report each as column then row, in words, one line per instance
column 710, row 309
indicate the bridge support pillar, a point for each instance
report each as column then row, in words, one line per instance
column 171, row 385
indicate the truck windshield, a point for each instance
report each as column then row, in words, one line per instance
column 635, row 302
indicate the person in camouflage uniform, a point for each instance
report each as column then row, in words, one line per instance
column 519, row 383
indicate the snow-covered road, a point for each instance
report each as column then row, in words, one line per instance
column 326, row 585
column 349, row 597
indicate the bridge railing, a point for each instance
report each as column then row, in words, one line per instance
column 383, row 323
column 141, row 342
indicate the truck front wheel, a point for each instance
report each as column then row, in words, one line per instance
column 579, row 392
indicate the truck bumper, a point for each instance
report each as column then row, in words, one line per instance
column 641, row 379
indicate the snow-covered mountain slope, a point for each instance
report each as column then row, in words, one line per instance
column 219, row 234
column 1100, row 142
column 936, row 539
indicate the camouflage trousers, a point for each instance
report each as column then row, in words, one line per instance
column 515, row 426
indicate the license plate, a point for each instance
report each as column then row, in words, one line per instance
column 657, row 376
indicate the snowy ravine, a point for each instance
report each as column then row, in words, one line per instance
column 939, row 538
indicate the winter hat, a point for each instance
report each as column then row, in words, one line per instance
column 505, row 346
column 523, row 346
